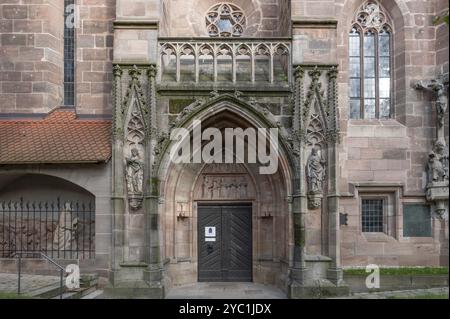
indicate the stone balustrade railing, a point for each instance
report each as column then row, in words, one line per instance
column 225, row 60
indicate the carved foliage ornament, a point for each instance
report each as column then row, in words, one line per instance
column 225, row 20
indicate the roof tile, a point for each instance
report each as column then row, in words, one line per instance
column 58, row 138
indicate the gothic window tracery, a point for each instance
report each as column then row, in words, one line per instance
column 370, row 46
column 225, row 20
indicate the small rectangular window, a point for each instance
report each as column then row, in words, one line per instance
column 416, row 220
column 372, row 215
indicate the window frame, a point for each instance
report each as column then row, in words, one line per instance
column 361, row 31
column 69, row 101
column 431, row 219
column 384, row 200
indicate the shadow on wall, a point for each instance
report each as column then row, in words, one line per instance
column 34, row 187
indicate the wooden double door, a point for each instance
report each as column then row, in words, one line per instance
column 225, row 243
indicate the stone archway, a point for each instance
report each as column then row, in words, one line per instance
column 42, row 213
column 183, row 188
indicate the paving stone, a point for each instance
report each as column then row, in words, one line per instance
column 28, row 283
column 226, row 291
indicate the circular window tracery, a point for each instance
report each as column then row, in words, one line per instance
column 225, row 20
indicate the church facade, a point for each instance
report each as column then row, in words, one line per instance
column 94, row 95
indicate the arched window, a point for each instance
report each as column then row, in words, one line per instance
column 370, row 47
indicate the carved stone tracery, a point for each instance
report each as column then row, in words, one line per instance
column 316, row 125
column 225, row 20
column 135, row 133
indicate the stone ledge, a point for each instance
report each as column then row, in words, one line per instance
column 183, row 87
column 136, row 24
column 317, row 290
column 308, row 23
column 397, row 282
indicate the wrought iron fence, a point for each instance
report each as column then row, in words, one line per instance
column 60, row 229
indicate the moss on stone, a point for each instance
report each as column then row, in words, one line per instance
column 155, row 185
column 177, row 105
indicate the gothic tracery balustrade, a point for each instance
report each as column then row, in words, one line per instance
column 225, row 61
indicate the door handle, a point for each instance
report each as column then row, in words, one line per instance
column 209, row 248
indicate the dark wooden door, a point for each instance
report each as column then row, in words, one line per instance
column 225, row 243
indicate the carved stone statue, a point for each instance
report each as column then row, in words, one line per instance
column 438, row 87
column 438, row 163
column 315, row 173
column 437, row 188
column 135, row 172
column 65, row 233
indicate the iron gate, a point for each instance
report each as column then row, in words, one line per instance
column 60, row 229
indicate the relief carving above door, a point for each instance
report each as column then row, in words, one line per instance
column 224, row 182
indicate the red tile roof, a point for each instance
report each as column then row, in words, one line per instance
column 58, row 138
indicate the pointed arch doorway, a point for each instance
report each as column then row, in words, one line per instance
column 249, row 210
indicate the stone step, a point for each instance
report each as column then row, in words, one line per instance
column 88, row 280
column 47, row 292
column 77, row 293
column 88, row 285
column 93, row 295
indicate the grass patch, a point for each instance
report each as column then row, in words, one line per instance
column 401, row 271
column 12, row 295
column 424, row 296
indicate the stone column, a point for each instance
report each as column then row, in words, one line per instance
column 118, row 190
column 334, row 274
column 315, row 275
column 153, row 274
column 299, row 203
column 136, row 269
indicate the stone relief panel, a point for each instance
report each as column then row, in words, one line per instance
column 224, row 182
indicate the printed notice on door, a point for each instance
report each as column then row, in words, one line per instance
column 210, row 231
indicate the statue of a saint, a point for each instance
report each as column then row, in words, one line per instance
column 135, row 172
column 65, row 233
column 315, row 171
column 438, row 163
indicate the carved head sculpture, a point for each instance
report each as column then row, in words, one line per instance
column 134, row 152
column 439, row 147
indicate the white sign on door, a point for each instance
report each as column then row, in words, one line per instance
column 210, row 231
